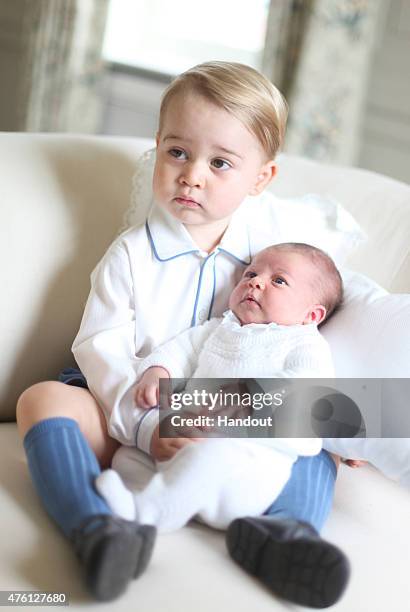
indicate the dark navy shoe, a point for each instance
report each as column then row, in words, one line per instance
column 113, row 552
column 290, row 558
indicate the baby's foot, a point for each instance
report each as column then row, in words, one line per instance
column 119, row 499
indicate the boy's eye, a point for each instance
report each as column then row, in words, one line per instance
column 177, row 153
column 221, row 164
column 278, row 280
column 249, row 274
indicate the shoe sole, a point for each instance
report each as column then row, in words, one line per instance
column 117, row 559
column 147, row 535
column 305, row 571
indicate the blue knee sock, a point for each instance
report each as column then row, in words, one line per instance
column 63, row 469
column 308, row 494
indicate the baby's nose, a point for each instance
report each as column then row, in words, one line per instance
column 257, row 282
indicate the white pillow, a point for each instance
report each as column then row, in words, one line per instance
column 313, row 219
column 370, row 338
column 370, row 335
column 141, row 194
column 389, row 455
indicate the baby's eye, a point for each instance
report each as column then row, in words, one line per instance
column 278, row 280
column 249, row 274
column 221, row 164
column 178, row 153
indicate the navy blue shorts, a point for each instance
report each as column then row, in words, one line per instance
column 74, row 377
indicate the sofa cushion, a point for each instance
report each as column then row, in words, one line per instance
column 380, row 205
column 192, row 565
column 63, row 198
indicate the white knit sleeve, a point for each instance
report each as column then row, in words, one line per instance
column 180, row 354
column 104, row 347
column 312, row 359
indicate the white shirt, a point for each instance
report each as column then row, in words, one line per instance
column 152, row 284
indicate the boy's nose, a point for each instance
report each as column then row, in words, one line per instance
column 192, row 176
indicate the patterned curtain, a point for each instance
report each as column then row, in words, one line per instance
column 319, row 54
column 61, row 77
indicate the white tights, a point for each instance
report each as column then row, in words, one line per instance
column 213, row 480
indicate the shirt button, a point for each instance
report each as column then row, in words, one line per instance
column 202, row 314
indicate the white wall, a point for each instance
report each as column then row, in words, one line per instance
column 386, row 130
column 132, row 102
column 131, row 105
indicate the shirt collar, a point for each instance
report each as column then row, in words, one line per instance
column 167, row 235
column 236, row 240
column 244, row 237
column 230, row 317
column 253, row 227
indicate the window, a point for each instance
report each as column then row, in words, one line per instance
column 169, row 36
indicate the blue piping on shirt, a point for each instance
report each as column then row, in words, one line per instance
column 139, row 424
column 199, row 287
column 214, row 253
column 245, row 263
column 213, row 290
column 151, row 240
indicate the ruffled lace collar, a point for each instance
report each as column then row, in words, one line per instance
column 231, row 321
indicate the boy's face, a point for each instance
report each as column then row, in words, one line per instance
column 277, row 287
column 207, row 162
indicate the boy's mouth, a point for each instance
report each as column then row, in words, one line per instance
column 189, row 202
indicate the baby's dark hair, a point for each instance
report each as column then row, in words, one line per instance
column 328, row 283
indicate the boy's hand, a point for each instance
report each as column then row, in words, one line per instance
column 163, row 449
column 147, row 390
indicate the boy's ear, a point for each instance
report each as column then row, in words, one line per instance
column 157, row 138
column 265, row 176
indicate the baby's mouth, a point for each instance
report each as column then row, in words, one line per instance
column 250, row 300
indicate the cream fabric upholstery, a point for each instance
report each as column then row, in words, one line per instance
column 380, row 205
column 190, row 569
column 61, row 201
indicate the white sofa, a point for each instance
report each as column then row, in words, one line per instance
column 61, row 200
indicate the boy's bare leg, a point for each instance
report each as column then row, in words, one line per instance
column 64, row 433
column 50, row 399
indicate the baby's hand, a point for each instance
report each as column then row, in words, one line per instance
column 354, row 463
column 163, row 449
column 147, row 390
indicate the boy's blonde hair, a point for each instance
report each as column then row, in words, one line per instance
column 243, row 92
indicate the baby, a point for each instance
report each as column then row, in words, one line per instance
column 270, row 331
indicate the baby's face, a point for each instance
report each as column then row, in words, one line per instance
column 277, row 287
column 207, row 162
